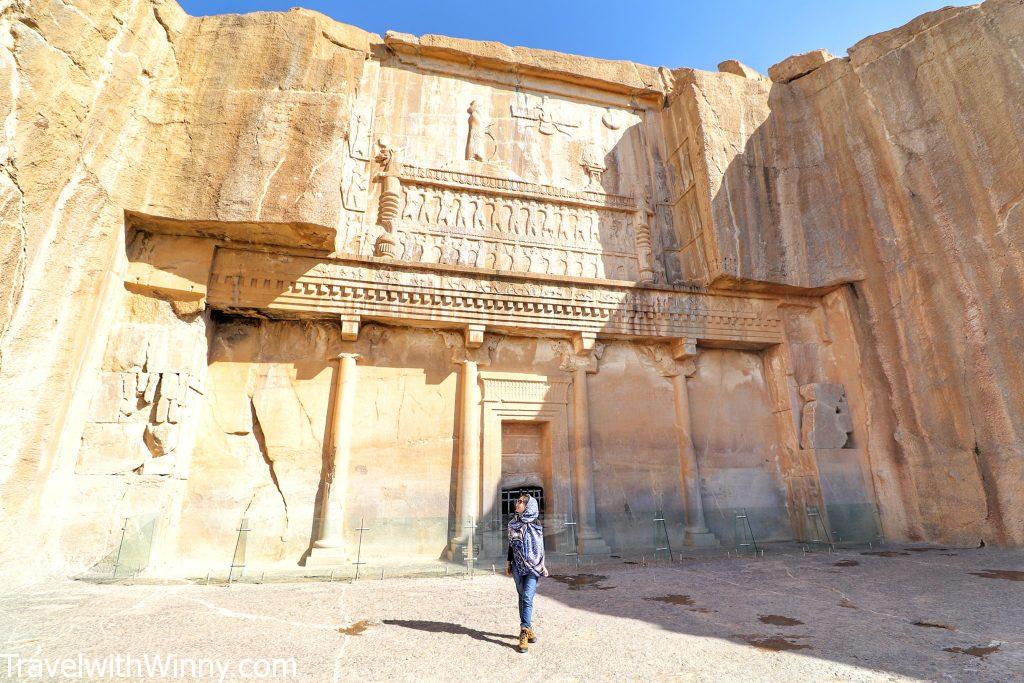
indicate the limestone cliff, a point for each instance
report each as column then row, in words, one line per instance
column 110, row 106
column 887, row 184
column 898, row 169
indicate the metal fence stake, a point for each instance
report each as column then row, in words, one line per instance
column 359, row 549
column 238, row 559
column 120, row 547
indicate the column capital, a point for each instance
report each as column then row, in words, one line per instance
column 664, row 359
column 573, row 362
column 684, row 349
column 346, row 354
column 349, row 326
column 475, row 335
column 584, row 342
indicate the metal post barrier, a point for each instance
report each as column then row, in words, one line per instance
column 659, row 518
column 742, row 531
column 238, row 559
column 818, row 529
column 359, row 549
column 468, row 551
column 571, row 529
column 120, row 547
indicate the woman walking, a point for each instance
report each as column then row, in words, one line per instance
column 525, row 562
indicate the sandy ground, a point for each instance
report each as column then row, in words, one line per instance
column 847, row 616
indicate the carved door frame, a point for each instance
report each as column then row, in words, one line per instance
column 523, row 397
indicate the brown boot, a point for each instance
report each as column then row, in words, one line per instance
column 524, row 640
column 531, row 636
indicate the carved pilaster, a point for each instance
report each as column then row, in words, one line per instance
column 581, row 365
column 329, row 549
column 678, row 365
column 469, row 353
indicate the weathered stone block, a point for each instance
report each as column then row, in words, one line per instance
column 126, row 349
column 826, row 419
column 111, row 448
column 152, row 382
column 794, row 67
column 162, row 408
column 106, row 402
column 169, row 385
column 163, row 466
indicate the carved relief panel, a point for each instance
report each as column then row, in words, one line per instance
column 503, row 178
column 449, row 217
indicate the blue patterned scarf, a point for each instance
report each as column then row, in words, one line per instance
column 526, row 538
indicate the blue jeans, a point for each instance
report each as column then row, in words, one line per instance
column 526, row 586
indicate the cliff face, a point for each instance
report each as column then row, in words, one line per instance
column 133, row 105
column 77, row 83
column 889, row 181
column 898, row 169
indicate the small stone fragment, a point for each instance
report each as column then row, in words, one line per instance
column 152, row 382
column 173, row 412
column 169, row 385
column 162, row 408
column 161, row 439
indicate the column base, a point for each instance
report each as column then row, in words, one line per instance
column 456, row 551
column 700, row 539
column 325, row 557
column 594, row 546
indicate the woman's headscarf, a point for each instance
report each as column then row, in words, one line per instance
column 526, row 538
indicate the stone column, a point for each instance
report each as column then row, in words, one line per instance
column 467, row 509
column 580, row 365
column 329, row 548
column 697, row 533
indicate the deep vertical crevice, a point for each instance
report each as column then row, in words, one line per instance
column 261, row 441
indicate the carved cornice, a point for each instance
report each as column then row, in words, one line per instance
column 300, row 286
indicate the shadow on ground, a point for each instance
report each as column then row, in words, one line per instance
column 454, row 629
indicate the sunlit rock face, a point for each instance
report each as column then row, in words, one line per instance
column 274, row 273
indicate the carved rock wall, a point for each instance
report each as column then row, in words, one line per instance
column 76, row 83
column 134, row 105
column 898, row 168
column 875, row 201
column 259, row 450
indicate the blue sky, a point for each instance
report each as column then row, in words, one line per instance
column 696, row 33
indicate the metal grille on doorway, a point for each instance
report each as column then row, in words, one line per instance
column 509, row 496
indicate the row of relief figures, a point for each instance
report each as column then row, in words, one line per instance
column 521, row 220
column 476, row 252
